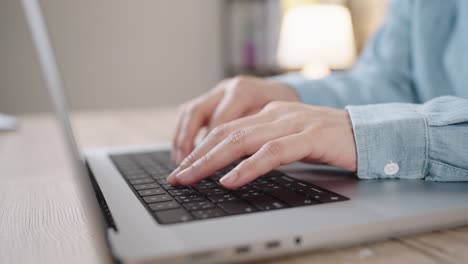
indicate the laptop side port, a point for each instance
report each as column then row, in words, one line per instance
column 272, row 244
column 203, row 256
column 242, row 249
column 297, row 240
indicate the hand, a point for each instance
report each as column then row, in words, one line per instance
column 229, row 100
column 281, row 133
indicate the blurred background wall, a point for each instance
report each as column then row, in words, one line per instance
column 113, row 53
column 124, row 54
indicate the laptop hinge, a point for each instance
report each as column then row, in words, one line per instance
column 102, row 201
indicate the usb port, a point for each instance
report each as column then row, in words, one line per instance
column 272, row 244
column 242, row 249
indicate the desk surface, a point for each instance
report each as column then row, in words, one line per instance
column 41, row 220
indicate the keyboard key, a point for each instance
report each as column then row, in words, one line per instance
column 291, row 198
column 269, row 187
column 204, row 181
column 314, row 189
column 198, row 205
column 157, row 198
column 281, row 180
column 209, row 213
column 163, row 180
column 163, row 205
column 217, row 176
column 299, row 187
column 328, row 198
column 170, row 187
column 167, row 187
column 190, row 198
column 303, row 184
column 217, row 190
column 178, row 192
column 173, row 216
column 222, row 198
column 246, row 190
column 204, row 185
column 265, row 202
column 264, row 185
column 336, row 198
column 145, row 186
column 136, row 176
column 260, row 180
column 160, row 175
column 237, row 207
column 249, row 195
column 141, row 181
column 149, row 192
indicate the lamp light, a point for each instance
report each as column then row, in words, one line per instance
column 316, row 38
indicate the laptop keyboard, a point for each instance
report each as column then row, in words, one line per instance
column 146, row 175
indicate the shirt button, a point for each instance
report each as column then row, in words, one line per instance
column 391, row 168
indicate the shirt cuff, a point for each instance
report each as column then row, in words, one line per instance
column 391, row 141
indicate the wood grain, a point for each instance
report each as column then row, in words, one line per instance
column 41, row 220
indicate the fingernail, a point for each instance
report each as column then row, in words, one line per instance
column 184, row 175
column 229, row 179
column 171, row 179
column 174, row 173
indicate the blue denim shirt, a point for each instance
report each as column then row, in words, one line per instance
column 407, row 93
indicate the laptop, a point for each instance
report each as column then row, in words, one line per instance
column 292, row 209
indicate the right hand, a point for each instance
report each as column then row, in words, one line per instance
column 229, row 100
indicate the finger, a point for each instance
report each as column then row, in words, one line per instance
column 175, row 154
column 241, row 143
column 194, row 116
column 193, row 120
column 277, row 152
column 253, row 111
column 230, row 108
column 214, row 138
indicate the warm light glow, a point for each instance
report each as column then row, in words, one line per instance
column 319, row 34
column 315, row 70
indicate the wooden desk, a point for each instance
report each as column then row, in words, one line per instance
column 41, row 221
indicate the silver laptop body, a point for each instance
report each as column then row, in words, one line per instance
column 377, row 209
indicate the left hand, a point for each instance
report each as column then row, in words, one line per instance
column 281, row 133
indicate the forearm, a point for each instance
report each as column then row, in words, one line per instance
column 361, row 85
column 413, row 141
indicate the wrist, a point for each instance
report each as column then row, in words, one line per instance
column 284, row 92
column 352, row 164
